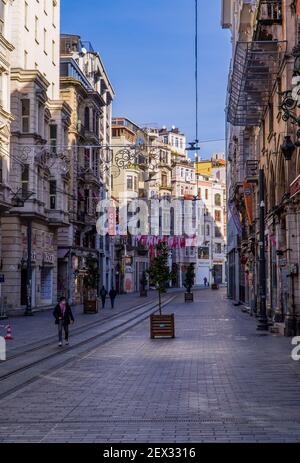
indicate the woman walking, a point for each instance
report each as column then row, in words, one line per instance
column 63, row 317
column 103, row 294
column 112, row 295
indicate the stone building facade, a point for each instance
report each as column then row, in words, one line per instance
column 263, row 140
column 39, row 164
column 87, row 89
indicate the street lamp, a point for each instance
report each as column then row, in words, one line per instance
column 288, row 148
column 263, row 324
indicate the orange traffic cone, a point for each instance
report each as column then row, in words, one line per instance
column 9, row 336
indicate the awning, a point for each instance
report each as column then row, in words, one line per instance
column 62, row 253
column 255, row 69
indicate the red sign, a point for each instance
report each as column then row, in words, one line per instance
column 112, row 221
column 248, row 194
column 295, row 187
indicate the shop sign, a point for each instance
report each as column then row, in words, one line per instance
column 112, row 222
column 295, row 187
column 48, row 258
column 33, row 256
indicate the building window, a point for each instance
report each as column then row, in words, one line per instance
column 36, row 29
column 218, row 200
column 135, row 184
column 53, row 138
column 130, row 183
column 2, row 16
column 87, row 118
column 53, row 52
column 218, row 233
column 199, row 193
column 54, row 3
column 1, row 170
column 25, row 103
column 164, row 180
column 218, row 216
column 46, row 284
column 164, row 157
column 26, row 16
column 45, row 41
column 203, row 253
column 52, row 194
column 206, row 194
column 25, row 59
column 207, row 230
column 25, row 180
column 87, row 158
column 218, row 248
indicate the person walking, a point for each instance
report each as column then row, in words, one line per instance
column 63, row 317
column 103, row 294
column 112, row 295
column 205, row 282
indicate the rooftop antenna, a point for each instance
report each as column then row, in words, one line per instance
column 194, row 145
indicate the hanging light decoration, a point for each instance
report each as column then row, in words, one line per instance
column 194, row 146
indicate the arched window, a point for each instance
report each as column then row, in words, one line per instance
column 218, row 200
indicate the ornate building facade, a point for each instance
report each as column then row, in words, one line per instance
column 263, row 145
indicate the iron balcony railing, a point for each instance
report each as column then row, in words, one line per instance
column 255, row 70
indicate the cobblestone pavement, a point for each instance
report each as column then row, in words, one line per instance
column 219, row 381
column 27, row 330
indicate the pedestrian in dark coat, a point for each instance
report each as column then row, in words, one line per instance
column 63, row 317
column 103, row 294
column 112, row 295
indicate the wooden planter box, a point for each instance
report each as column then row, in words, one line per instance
column 189, row 297
column 90, row 307
column 214, row 286
column 162, row 326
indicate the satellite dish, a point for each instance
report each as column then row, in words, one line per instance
column 84, row 51
column 164, row 127
column 173, row 127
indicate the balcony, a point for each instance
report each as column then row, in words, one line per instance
column 255, row 70
column 58, row 218
column 269, row 12
column 252, row 167
column 70, row 69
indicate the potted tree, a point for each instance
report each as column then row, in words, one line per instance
column 189, row 283
column 90, row 285
column 160, row 275
column 143, row 283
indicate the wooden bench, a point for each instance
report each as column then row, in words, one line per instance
column 162, row 326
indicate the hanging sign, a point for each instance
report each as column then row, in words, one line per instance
column 248, row 195
column 235, row 217
column 295, row 187
column 112, row 222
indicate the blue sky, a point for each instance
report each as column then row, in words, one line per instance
column 148, row 50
